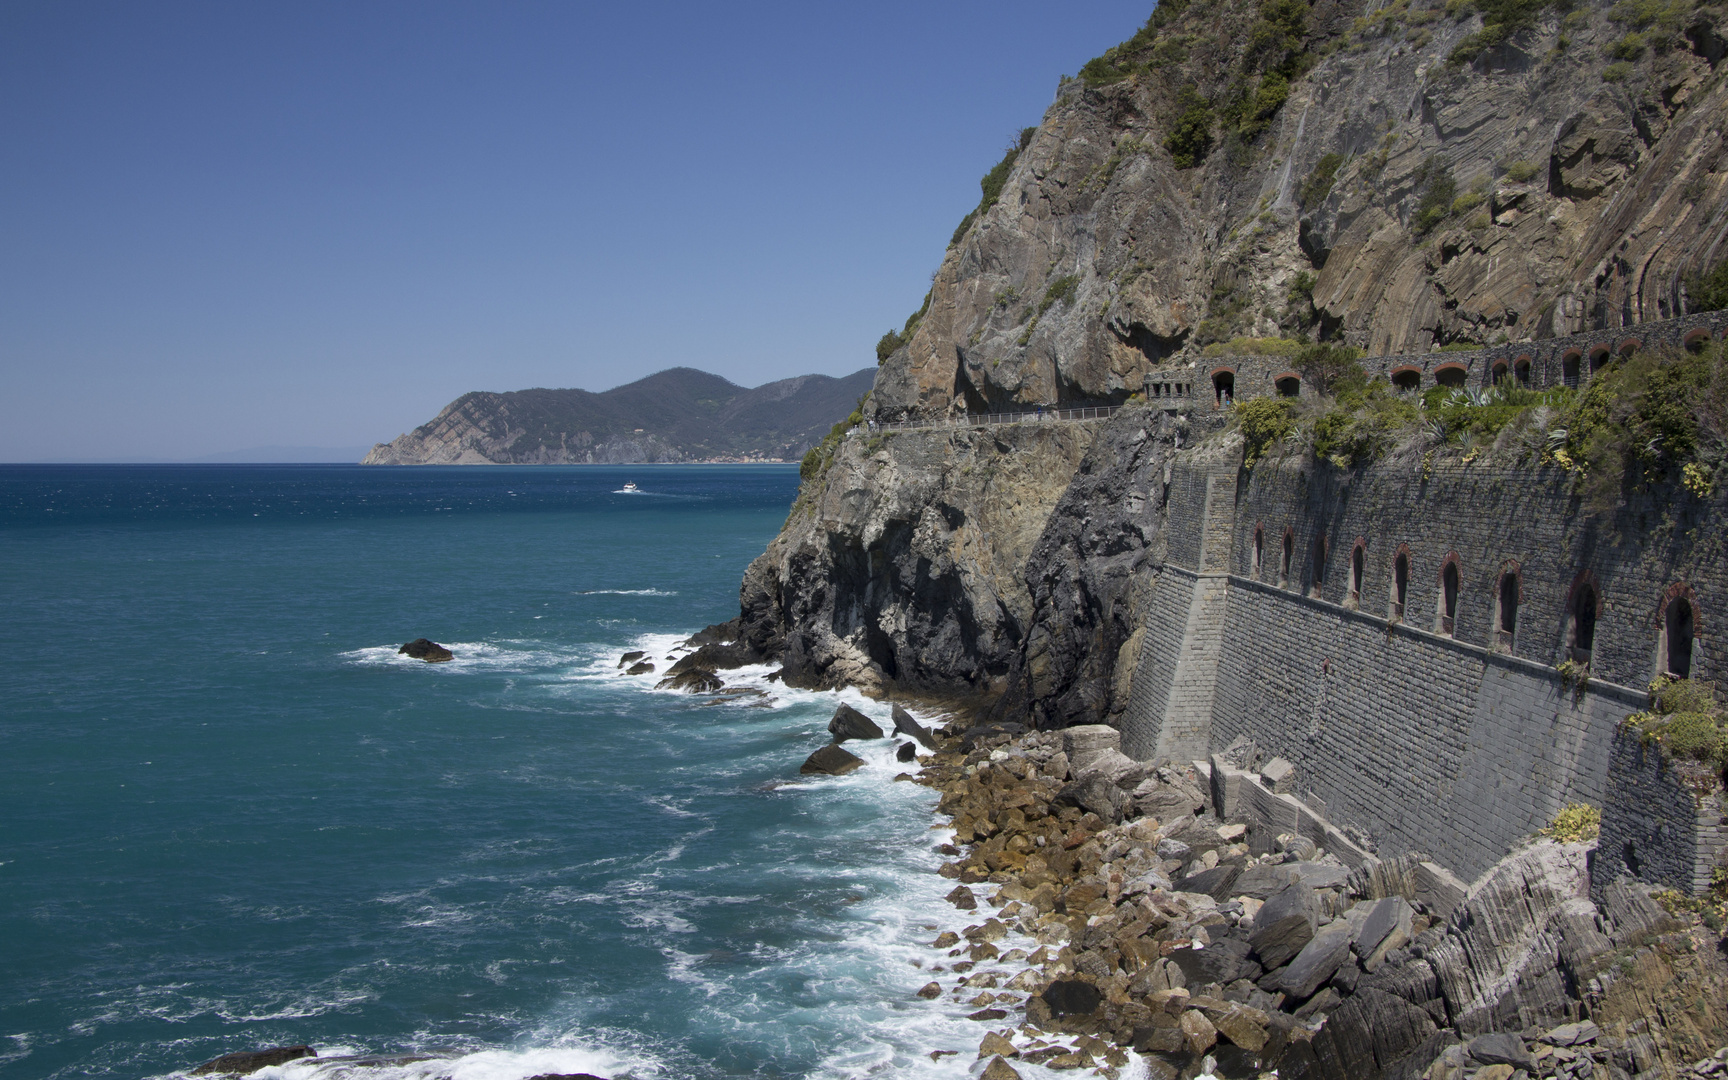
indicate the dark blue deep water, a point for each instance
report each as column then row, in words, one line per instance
column 232, row 817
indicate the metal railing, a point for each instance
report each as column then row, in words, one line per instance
column 968, row 420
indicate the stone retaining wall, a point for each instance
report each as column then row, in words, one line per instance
column 1455, row 744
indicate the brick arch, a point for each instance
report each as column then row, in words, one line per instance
column 1257, row 554
column 1286, row 555
column 1696, row 337
column 1499, row 370
column 1598, row 356
column 1406, row 377
column 1523, row 369
column 1287, row 384
column 1629, row 346
column 1451, row 374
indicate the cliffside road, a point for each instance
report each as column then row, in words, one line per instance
column 963, row 420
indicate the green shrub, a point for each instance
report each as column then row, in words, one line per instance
column 1467, row 202
column 1501, row 19
column 1629, row 47
column 1683, row 721
column 1669, row 15
column 1190, row 137
column 1617, row 72
column 887, row 345
column 1061, row 290
column 1264, row 421
column 1252, row 346
column 1708, row 292
column 1438, row 192
column 1644, row 417
column 1319, row 183
column 993, row 182
column 820, row 456
column 1576, row 823
column 1331, row 368
column 1522, row 172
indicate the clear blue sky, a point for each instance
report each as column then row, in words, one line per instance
column 237, row 224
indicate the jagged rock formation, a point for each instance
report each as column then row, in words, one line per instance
column 1534, row 192
column 680, row 414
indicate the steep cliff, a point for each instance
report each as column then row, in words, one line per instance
column 680, row 414
column 1420, row 177
column 1395, row 180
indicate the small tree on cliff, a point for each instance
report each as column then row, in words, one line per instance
column 1328, row 368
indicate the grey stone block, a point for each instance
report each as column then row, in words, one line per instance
column 1285, row 924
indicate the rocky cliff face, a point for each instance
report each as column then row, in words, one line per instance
column 1400, row 181
column 1395, row 198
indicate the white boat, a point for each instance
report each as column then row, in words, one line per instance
column 630, row 488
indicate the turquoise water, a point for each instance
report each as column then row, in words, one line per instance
column 232, row 817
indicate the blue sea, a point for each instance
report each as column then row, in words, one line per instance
column 232, row 817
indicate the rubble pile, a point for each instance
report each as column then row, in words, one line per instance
column 1116, row 913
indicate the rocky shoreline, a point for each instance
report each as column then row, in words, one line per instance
column 1159, row 929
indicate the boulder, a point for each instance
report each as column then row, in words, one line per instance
column 1223, row 962
column 996, row 1045
column 1071, row 997
column 1154, row 799
column 1317, row 960
column 1084, row 742
column 420, row 649
column 631, row 657
column 1285, row 925
column 998, row 1069
column 247, row 1062
column 1097, row 795
column 831, row 760
column 714, row 656
column 1572, row 1034
column 904, row 724
column 906, row 752
column 1386, row 927
column 693, row 681
column 1279, row 776
column 1500, row 1048
column 641, row 667
column 1198, row 1031
column 1114, row 766
column 1215, row 882
column 849, row 723
column 930, row 991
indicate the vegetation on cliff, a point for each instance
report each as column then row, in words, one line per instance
column 1685, row 721
column 1656, row 417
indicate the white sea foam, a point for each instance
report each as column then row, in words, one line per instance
column 479, row 1065
column 626, row 592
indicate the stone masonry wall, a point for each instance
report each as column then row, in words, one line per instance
column 1421, row 742
column 1657, row 822
column 1456, row 745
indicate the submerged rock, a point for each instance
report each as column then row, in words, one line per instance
column 904, row 724
column 247, row 1062
column 694, row 681
column 427, row 650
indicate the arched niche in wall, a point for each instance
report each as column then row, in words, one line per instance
column 1521, row 370
column 1583, row 608
column 1288, row 384
column 1598, row 357
column 1358, row 570
column 1224, row 386
column 1286, row 556
column 1259, row 551
column 1406, row 378
column 1508, row 594
column 1317, row 565
column 1400, row 584
column 1446, row 595
column 1453, row 375
column 1677, row 632
column 1570, row 361
column 1500, row 373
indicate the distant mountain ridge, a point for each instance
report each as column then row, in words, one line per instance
column 680, row 414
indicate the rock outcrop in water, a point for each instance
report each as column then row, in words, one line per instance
column 427, row 650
